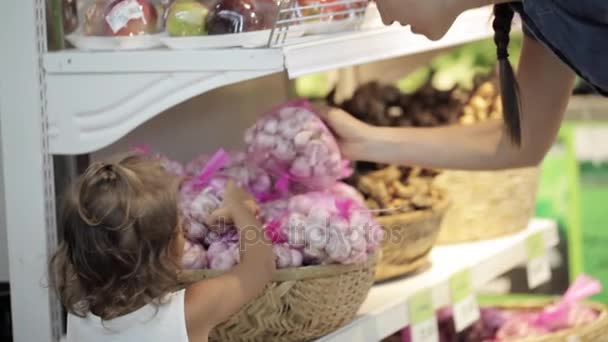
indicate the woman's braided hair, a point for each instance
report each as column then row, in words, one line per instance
column 509, row 89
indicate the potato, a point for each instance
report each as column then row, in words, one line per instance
column 372, row 204
column 366, row 185
column 422, row 202
column 487, row 90
column 380, row 194
column 467, row 120
column 479, row 103
column 415, row 172
column 403, row 191
column 386, row 175
column 468, row 110
column 420, row 185
column 498, row 104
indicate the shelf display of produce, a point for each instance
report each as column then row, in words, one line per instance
column 138, row 85
column 384, row 312
column 82, row 101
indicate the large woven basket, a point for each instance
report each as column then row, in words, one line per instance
column 408, row 239
column 300, row 304
column 487, row 204
column 593, row 332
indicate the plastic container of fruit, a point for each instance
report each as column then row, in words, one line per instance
column 192, row 24
column 330, row 16
column 118, row 25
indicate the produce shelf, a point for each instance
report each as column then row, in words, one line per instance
column 379, row 42
column 385, row 309
column 95, row 98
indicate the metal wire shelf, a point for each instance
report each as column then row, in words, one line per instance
column 303, row 14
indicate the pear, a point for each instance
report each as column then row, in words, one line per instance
column 187, row 18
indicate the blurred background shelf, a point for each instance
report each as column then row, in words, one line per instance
column 385, row 310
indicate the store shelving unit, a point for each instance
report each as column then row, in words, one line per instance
column 118, row 91
column 69, row 102
column 385, row 310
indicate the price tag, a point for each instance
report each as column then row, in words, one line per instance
column 464, row 303
column 423, row 322
column 122, row 13
column 538, row 268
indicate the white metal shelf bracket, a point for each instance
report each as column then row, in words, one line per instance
column 86, row 119
column 27, row 172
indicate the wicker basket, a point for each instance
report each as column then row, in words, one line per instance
column 486, row 205
column 594, row 332
column 408, row 239
column 299, row 305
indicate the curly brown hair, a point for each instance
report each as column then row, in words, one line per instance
column 118, row 253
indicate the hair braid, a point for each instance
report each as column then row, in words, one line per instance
column 509, row 89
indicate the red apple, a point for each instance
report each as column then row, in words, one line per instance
column 131, row 18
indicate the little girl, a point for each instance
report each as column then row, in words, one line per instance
column 117, row 266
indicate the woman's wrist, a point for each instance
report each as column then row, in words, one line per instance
column 379, row 144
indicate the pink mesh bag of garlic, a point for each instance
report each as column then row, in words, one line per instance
column 324, row 228
column 171, row 166
column 294, row 144
column 201, row 195
column 244, row 172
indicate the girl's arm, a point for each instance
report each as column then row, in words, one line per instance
column 545, row 87
column 212, row 301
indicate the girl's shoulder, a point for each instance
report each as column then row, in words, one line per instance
column 161, row 321
column 576, row 31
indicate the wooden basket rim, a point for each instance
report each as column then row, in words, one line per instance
column 288, row 274
column 602, row 320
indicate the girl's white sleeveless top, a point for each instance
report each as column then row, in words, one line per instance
column 164, row 323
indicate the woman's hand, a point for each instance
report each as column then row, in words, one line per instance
column 354, row 136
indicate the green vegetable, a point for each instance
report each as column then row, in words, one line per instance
column 414, row 81
column 313, row 85
column 460, row 65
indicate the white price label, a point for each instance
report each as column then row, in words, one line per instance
column 538, row 271
column 466, row 312
column 122, row 13
column 538, row 268
column 426, row 331
column 464, row 303
column 423, row 322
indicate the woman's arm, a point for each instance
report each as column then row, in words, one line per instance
column 545, row 87
column 213, row 301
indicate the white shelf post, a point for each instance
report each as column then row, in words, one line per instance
column 28, row 171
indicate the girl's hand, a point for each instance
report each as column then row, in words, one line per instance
column 236, row 201
column 431, row 18
column 354, row 136
column 235, row 197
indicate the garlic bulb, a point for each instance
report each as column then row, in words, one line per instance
column 194, row 256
